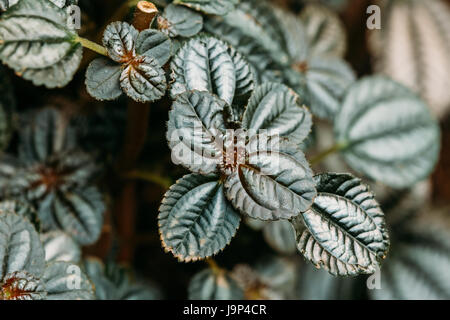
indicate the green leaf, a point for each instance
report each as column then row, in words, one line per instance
column 59, row 246
column 415, row 34
column 326, row 33
column 20, row 247
column 196, row 221
column 66, row 281
column 277, row 109
column 143, row 80
column 210, row 285
column 273, row 184
column 387, row 132
column 196, row 121
column 36, row 43
column 417, row 268
column 180, row 21
column 119, row 40
column 154, row 44
column 103, row 79
column 280, row 235
column 218, row 7
column 208, row 64
column 260, row 60
column 345, row 230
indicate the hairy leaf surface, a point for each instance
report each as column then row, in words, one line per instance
column 103, row 79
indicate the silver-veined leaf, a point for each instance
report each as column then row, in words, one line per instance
column 20, row 247
column 277, row 109
column 119, row 39
column 143, row 80
column 103, row 79
column 36, row 43
column 387, row 132
column 195, row 123
column 413, row 48
column 273, row 185
column 417, row 268
column 59, row 246
column 208, row 64
column 154, row 44
column 326, row 33
column 21, row 208
column 345, row 230
column 66, row 281
column 195, row 220
column 180, row 21
column 218, row 7
column 214, row 285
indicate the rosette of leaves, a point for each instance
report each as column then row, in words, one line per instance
column 56, row 178
column 344, row 231
column 263, row 176
column 417, row 268
column 179, row 21
column 217, row 7
column 413, row 47
column 134, row 66
column 114, row 282
column 214, row 284
column 36, row 43
column 386, row 132
column 24, row 274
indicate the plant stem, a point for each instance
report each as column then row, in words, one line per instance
column 214, row 266
column 92, row 46
column 324, row 154
column 150, row 177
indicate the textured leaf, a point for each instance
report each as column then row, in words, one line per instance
column 59, row 246
column 322, row 82
column 413, row 48
column 417, row 268
column 103, row 79
column 196, row 221
column 209, row 285
column 20, row 248
column 208, row 64
column 273, row 185
column 45, row 51
column 154, row 44
column 119, row 39
column 387, row 132
column 280, row 235
column 326, row 33
column 259, row 58
column 277, row 109
column 44, row 133
column 195, row 122
column 143, row 80
column 219, row 7
column 180, row 21
column 345, row 229
column 20, row 285
column 21, row 208
column 66, row 281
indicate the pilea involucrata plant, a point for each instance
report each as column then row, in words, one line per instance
column 183, row 121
